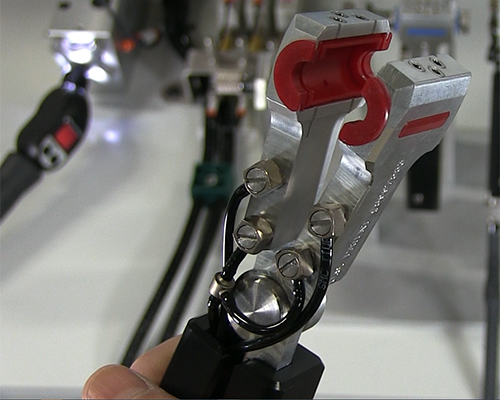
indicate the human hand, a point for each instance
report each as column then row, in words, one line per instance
column 139, row 382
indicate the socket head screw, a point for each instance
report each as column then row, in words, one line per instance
column 294, row 264
column 256, row 180
column 327, row 220
column 320, row 223
column 437, row 71
column 416, row 65
column 253, row 234
column 262, row 177
column 437, row 61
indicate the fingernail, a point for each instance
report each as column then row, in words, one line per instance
column 116, row 382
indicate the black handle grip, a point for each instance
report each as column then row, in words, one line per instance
column 17, row 174
column 202, row 368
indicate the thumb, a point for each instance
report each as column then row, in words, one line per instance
column 119, row 382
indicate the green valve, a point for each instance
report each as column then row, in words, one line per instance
column 213, row 182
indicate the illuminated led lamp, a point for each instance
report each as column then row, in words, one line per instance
column 97, row 74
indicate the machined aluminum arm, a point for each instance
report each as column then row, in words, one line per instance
column 320, row 177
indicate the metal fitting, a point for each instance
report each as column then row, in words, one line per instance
column 295, row 263
column 262, row 177
column 220, row 285
column 327, row 220
column 253, row 234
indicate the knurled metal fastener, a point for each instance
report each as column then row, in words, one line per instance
column 327, row 220
column 262, row 177
column 294, row 263
column 220, row 285
column 253, row 234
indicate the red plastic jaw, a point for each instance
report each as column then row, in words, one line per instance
column 306, row 76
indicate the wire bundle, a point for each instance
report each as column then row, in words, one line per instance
column 218, row 150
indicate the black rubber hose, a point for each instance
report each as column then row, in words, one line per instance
column 17, row 174
column 494, row 181
column 227, row 124
column 177, row 25
column 228, row 272
column 231, row 266
column 229, row 219
column 493, row 310
column 232, row 260
column 163, row 287
column 210, row 150
column 207, row 238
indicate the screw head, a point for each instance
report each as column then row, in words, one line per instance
column 437, row 71
column 262, row 177
column 288, row 264
column 247, row 237
column 253, row 234
column 437, row 61
column 294, row 264
column 320, row 222
column 327, row 220
column 416, row 65
column 211, row 180
column 256, row 180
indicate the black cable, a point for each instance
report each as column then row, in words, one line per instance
column 493, row 310
column 230, row 268
column 232, row 260
column 229, row 304
column 228, row 272
column 177, row 25
column 207, row 238
column 17, row 174
column 227, row 120
column 219, row 147
column 171, row 271
column 494, row 178
column 492, row 294
column 310, row 309
column 229, row 219
column 210, row 154
column 210, row 151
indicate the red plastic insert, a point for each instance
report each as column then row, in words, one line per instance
column 66, row 136
column 338, row 69
column 424, row 124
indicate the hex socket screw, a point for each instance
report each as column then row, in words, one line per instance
column 294, row 263
column 416, row 65
column 253, row 234
column 327, row 220
column 262, row 177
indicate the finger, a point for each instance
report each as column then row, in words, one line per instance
column 153, row 363
column 119, row 382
